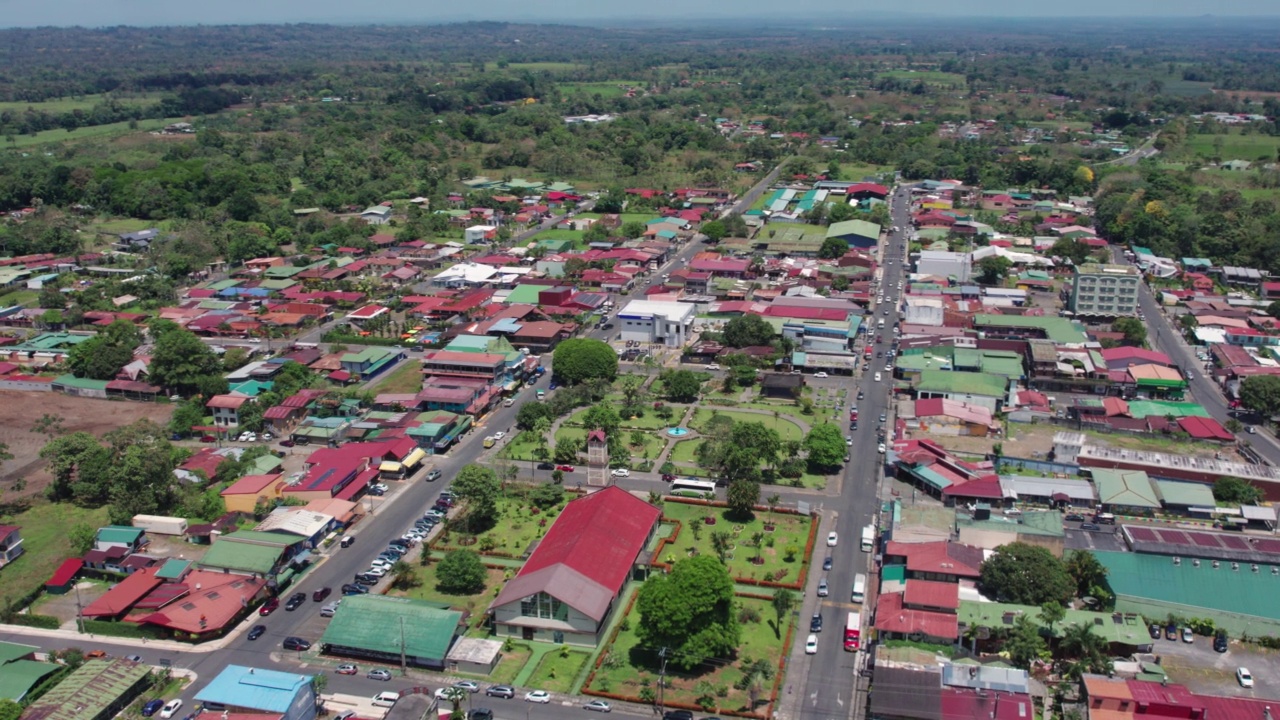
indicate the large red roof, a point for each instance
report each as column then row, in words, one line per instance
column 932, row 594
column 892, row 617
column 124, row 594
column 596, row 539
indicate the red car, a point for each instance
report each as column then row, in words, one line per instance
column 208, row 439
column 269, row 606
column 565, row 468
column 347, row 669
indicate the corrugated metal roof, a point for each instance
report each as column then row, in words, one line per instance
column 378, row 623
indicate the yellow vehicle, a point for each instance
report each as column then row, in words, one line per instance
column 489, row 441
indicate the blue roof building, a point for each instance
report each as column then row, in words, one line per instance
column 244, row 689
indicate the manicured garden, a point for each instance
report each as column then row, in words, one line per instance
column 755, row 554
column 626, row 669
column 558, row 669
column 518, row 523
column 786, row 427
column 426, row 589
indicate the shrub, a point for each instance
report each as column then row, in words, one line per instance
column 748, row 614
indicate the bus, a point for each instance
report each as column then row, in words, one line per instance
column 859, row 588
column 690, row 487
column 853, row 632
column 868, row 538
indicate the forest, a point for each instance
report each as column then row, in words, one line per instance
column 313, row 116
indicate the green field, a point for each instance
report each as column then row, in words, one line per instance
column 46, row 544
column 928, row 77
column 611, row 89
column 47, row 137
column 1234, row 146
column 405, row 379
column 86, row 102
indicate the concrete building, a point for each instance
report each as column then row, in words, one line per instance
column 1105, row 290
column 665, row 323
column 941, row 263
column 244, row 689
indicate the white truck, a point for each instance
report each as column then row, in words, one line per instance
column 868, row 538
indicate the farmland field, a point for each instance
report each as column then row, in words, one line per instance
column 611, row 89
column 1234, row 146
column 46, row 137
column 85, row 102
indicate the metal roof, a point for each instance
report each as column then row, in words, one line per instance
column 387, row 624
column 256, row 688
column 1156, row 577
column 89, row 691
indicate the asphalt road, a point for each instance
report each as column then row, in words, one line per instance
column 829, row 682
column 1165, row 338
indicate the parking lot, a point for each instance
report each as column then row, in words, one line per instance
column 1197, row 666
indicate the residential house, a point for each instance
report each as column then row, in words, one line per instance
column 10, row 544
column 377, row 215
column 240, row 689
column 226, row 409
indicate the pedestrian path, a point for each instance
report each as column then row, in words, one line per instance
column 540, row 649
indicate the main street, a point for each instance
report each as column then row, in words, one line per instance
column 829, row 680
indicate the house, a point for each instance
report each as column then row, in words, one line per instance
column 665, row 323
column 257, row 690
column 10, row 544
column 388, row 630
column 226, row 409
column 245, row 494
column 97, row 690
column 131, row 539
column 20, row 672
column 377, row 215
column 858, row 233
column 942, row 416
column 569, row 587
column 477, row 234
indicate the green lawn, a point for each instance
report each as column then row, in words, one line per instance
column 928, row 77
column 55, row 136
column 635, row 665
column 1235, row 146
column 510, row 665
column 124, row 225
column 19, row 297
column 557, row 670
column 611, row 89
column 62, row 105
column 46, row 544
column 518, row 524
column 685, row 451
column 790, row 531
column 787, row 429
column 405, row 379
column 476, row 603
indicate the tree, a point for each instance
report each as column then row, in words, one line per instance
column 690, row 611
column 319, row 683
column 530, row 413
column 681, row 385
column 1052, row 613
column 743, row 496
column 1089, row 651
column 186, row 416
column 755, row 675
column 1235, row 491
column 403, row 576
column 714, row 230
column 479, row 487
column 461, row 572
column 720, row 542
column 9, row 710
column 993, row 269
column 832, row 248
column 632, row 230
column 783, row 602
column 747, row 330
column 1025, row 645
column 180, row 361
column 1089, row 575
column 825, row 446
column 1025, row 574
column 1068, row 248
column 456, row 696
column 580, row 359
column 82, row 536
column 1261, row 393
column 1274, row 309
column 51, row 298
column 1135, row 332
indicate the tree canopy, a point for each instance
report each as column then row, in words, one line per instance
column 825, row 446
column 689, row 611
column 833, row 247
column 1236, row 491
column 580, row 359
column 181, row 362
column 479, row 487
column 1261, row 393
column 460, row 572
column 1025, row 574
column 681, row 385
column 747, row 330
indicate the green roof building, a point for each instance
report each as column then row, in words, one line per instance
column 1059, row 330
column 1184, row 495
column 97, row 690
column 858, row 233
column 1237, row 599
column 19, row 673
column 381, row 628
column 250, row 551
column 975, row 388
column 1126, row 629
column 525, row 294
column 1125, row 491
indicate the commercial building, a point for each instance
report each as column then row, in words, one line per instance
column 257, row 690
column 97, row 690
column 664, row 323
column 1105, row 290
column 384, row 629
column 858, row 233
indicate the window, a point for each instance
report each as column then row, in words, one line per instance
column 544, row 606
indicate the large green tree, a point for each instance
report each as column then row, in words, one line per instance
column 992, row 270
column 1235, row 491
column 1025, row 644
column 1135, row 331
column 480, row 488
column 180, row 362
column 690, row 612
column 743, row 496
column 825, row 446
column 681, row 385
column 101, row 356
column 748, row 330
column 1025, row 574
column 580, row 359
column 832, row 248
column 460, row 572
column 1261, row 393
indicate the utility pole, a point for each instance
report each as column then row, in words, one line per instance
column 79, row 612
column 662, row 681
column 403, row 665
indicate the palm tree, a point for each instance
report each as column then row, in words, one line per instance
column 720, row 541
column 456, row 695
column 1089, row 650
column 757, row 541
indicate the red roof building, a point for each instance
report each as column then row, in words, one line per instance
column 895, row 619
column 1203, row 428
column 572, row 581
column 122, row 596
column 943, row 561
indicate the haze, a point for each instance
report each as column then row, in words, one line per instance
column 96, row 13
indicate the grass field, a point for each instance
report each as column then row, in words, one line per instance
column 761, row 638
column 1234, row 146
column 86, row 102
column 928, row 77
column 405, row 379
column 791, row 532
column 518, row 525
column 97, row 131
column 45, row 543
column 787, row 429
column 557, row 670
column 427, row 589
column 616, row 88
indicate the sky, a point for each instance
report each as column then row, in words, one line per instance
column 97, row 13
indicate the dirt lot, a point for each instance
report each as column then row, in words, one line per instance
column 78, row 414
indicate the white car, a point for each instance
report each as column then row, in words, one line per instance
column 820, row 375
column 171, row 708
column 811, row 645
column 832, row 539
column 1244, row 677
column 621, row 472
column 380, row 563
column 713, row 366
column 880, row 448
column 376, row 571
column 499, row 435
column 538, row 696
column 848, row 440
column 877, row 377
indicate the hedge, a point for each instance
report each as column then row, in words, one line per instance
column 121, row 629
column 48, row 622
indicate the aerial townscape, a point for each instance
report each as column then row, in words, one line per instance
column 789, row 365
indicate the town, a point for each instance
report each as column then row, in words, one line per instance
column 787, row 432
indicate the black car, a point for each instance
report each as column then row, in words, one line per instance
column 1220, row 641
column 677, row 715
column 826, row 563
column 481, row 714
column 353, row 589
column 1074, row 517
column 256, row 631
column 1091, row 527
column 365, row 579
column 1155, row 631
column 501, row 691
column 1171, row 631
column 296, row 643
column 815, row 623
column 377, row 492
column 295, row 601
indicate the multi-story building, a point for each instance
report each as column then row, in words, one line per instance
column 665, row 323
column 1105, row 290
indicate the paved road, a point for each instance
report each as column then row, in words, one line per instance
column 1164, row 337
column 828, row 684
